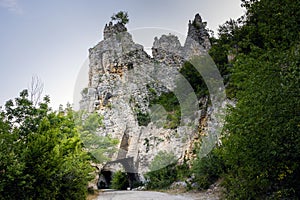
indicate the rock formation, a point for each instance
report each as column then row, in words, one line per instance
column 123, row 79
column 197, row 32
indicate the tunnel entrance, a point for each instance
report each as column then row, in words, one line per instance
column 105, row 176
column 104, row 181
column 122, row 162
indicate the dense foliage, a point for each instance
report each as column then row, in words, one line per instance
column 162, row 171
column 208, row 170
column 41, row 153
column 261, row 149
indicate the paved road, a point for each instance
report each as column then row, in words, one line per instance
column 140, row 195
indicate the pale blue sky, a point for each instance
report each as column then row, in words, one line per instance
column 50, row 39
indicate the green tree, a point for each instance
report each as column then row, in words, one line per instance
column 99, row 147
column 41, row 153
column 261, row 150
column 121, row 17
column 225, row 49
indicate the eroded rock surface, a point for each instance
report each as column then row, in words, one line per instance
column 123, row 79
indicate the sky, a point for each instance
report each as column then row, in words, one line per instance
column 50, row 39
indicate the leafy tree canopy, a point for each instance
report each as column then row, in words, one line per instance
column 261, row 150
column 41, row 153
column 99, row 147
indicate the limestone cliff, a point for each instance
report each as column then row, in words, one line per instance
column 124, row 79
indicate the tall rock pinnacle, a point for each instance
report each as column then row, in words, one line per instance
column 197, row 32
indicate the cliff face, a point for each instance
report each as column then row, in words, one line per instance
column 124, row 80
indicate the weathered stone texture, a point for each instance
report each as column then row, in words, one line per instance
column 120, row 75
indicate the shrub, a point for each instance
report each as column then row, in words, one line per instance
column 143, row 118
column 171, row 104
column 208, row 169
column 84, row 92
column 183, row 171
column 194, row 78
column 162, row 171
column 119, row 181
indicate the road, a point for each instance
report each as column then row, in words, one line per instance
column 139, row 195
column 149, row 195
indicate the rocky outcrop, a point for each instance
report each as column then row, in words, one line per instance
column 123, row 79
column 113, row 29
column 168, row 50
column 197, row 32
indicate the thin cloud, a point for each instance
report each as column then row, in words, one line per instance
column 11, row 5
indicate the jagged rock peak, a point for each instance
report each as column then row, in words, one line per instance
column 197, row 31
column 113, row 29
column 166, row 40
column 167, row 49
column 198, row 19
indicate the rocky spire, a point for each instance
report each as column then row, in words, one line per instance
column 197, row 31
column 113, row 29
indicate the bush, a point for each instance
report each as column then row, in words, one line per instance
column 195, row 79
column 183, row 171
column 208, row 169
column 119, row 181
column 143, row 118
column 171, row 104
column 162, row 171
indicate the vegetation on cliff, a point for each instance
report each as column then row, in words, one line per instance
column 120, row 17
column 162, row 171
